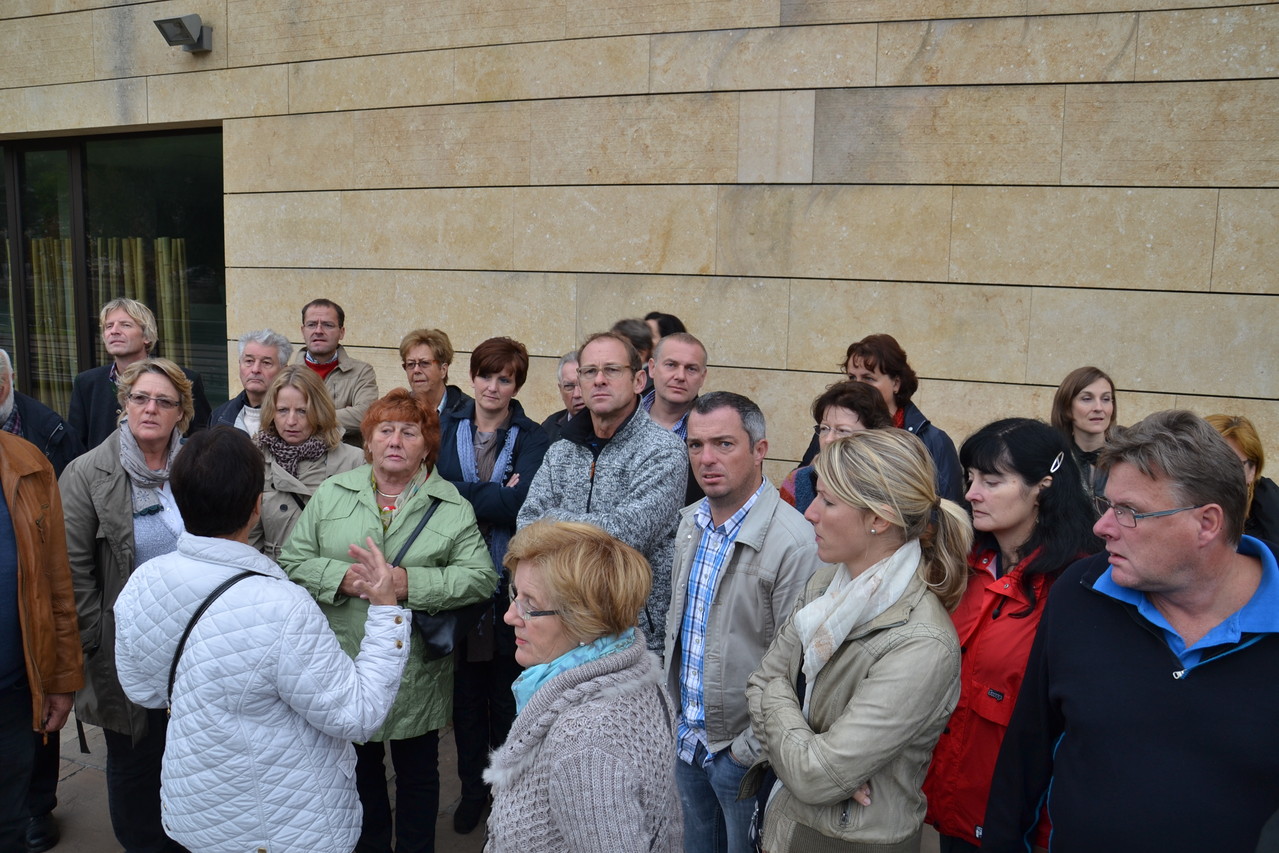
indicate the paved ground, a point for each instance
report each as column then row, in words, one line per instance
column 86, row 827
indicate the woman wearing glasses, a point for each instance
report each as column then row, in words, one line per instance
column 120, row 513
column 425, row 355
column 842, row 409
column 590, row 761
column 1263, row 495
column 1032, row 519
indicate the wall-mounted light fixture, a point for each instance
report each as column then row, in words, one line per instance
column 186, row 31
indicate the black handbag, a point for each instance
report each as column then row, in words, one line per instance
column 441, row 631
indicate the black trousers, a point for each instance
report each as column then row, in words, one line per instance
column 483, row 710
column 17, row 754
column 417, row 794
column 133, row 787
column 42, row 796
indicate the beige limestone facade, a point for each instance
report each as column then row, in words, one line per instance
column 1013, row 188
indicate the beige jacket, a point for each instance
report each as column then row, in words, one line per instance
column 284, row 495
column 353, row 385
column 878, row 707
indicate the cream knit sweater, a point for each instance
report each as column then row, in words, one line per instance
column 589, row 765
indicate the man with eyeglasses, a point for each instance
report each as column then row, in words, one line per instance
column 1147, row 719
column 352, row 382
column 570, row 394
column 263, row 354
column 616, row 469
column 129, row 334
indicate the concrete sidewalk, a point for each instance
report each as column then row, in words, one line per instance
column 86, row 826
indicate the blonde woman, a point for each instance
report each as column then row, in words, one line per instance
column 302, row 442
column 852, row 695
column 1262, row 520
column 589, row 765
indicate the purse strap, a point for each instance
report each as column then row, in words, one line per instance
column 195, row 617
column 426, row 516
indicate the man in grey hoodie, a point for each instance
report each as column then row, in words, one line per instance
column 617, row 469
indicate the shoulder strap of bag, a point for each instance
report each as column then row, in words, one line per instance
column 195, row 617
column 426, row 516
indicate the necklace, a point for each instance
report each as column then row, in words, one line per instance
column 387, row 495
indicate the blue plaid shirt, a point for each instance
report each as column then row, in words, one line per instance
column 712, row 553
column 681, row 426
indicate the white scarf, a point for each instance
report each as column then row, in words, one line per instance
column 848, row 604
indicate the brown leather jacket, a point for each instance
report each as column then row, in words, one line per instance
column 46, row 604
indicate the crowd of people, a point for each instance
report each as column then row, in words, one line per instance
column 1059, row 636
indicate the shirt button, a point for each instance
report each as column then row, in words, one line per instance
column 399, row 644
column 399, row 620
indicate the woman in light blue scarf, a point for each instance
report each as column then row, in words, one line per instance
column 589, row 764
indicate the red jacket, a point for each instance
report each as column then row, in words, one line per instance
column 995, row 647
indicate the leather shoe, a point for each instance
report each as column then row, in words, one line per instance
column 42, row 833
column 467, row 815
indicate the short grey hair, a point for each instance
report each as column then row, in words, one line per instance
column 1183, row 448
column 6, row 366
column 569, row 357
column 752, row 417
column 681, row 338
column 268, row 338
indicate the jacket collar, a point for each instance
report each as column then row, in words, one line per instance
column 228, row 553
column 755, row 525
column 579, row 430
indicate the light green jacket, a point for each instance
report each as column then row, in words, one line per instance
column 448, row 566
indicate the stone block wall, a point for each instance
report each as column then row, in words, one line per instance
column 1013, row 188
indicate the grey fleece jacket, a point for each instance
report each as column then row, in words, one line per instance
column 633, row 490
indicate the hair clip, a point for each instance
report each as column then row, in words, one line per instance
column 1052, row 469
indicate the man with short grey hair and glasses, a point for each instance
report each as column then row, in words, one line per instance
column 1146, row 720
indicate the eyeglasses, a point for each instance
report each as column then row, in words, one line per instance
column 610, row 371
column 822, row 431
column 318, row 324
column 1128, row 517
column 513, row 593
column 422, row 363
column 141, row 400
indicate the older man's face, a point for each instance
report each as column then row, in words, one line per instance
column 570, row 391
column 259, row 365
column 6, row 385
column 1159, row 554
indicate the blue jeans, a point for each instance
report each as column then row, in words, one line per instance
column 715, row 821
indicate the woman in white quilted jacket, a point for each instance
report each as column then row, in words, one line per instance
column 265, row 703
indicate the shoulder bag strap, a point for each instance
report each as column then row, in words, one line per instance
column 195, row 617
column 426, row 516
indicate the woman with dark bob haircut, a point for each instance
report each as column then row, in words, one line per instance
column 590, row 761
column 841, row 410
column 1032, row 519
column 445, row 567
column 879, row 361
column 489, row 450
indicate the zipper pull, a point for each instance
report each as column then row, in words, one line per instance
column 1179, row 674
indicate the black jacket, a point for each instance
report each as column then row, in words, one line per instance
column 493, row 503
column 226, row 414
column 46, row 429
column 1137, row 756
column 95, row 412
